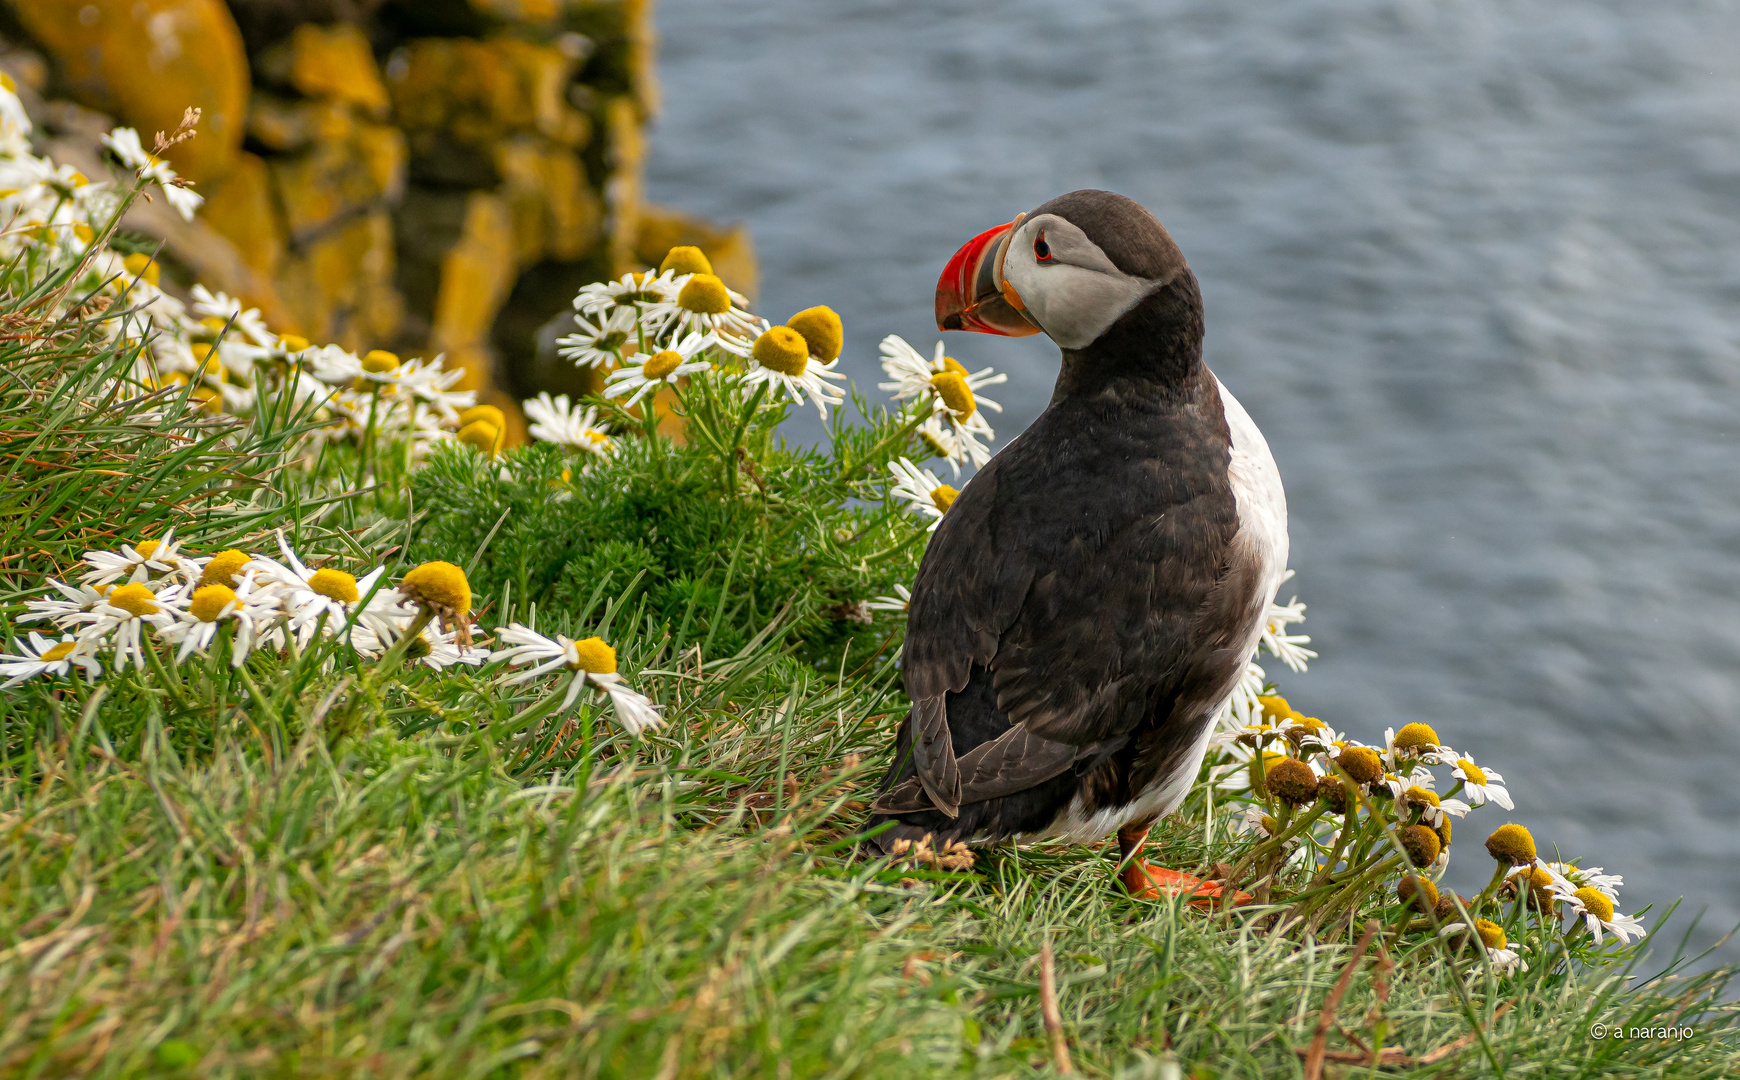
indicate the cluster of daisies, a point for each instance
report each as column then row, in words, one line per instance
column 153, row 606
column 212, row 349
column 1340, row 819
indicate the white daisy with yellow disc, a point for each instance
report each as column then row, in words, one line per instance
column 642, row 373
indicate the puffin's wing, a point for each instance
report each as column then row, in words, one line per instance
column 1015, row 761
column 1091, row 612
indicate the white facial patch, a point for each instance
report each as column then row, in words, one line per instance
column 1077, row 293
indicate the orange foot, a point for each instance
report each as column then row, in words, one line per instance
column 1145, row 881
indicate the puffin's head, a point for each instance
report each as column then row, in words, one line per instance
column 1071, row 267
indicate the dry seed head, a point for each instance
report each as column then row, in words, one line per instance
column 1491, row 934
column 704, row 295
column 1595, row 902
column 1511, row 845
column 223, row 567
column 1444, row 829
column 594, row 657
column 1446, row 910
column 1421, row 892
column 1361, row 763
column 1421, row 844
column 334, row 585
column 1333, row 794
column 209, row 602
column 821, row 328
column 782, row 349
column 136, row 599
column 1416, row 737
column 955, row 393
column 1292, row 781
column 684, row 259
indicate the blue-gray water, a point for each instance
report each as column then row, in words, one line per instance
column 1474, row 268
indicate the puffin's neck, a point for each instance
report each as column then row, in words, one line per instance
column 1159, row 342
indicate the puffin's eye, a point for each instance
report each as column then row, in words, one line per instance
column 1041, row 249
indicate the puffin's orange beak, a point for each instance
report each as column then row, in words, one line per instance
column 971, row 294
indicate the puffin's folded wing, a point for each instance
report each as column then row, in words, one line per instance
column 1013, row 762
column 933, row 754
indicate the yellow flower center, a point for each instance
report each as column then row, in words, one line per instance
column 209, row 366
column 209, row 400
column 661, row 364
column 484, row 412
column 597, row 437
column 955, row 393
column 612, row 342
column 705, row 295
column 932, row 443
column 6, row 81
column 482, row 434
column 142, row 266
column 951, row 364
column 84, row 232
column 593, row 656
column 1415, row 736
column 1275, row 707
column 1471, row 772
column 135, row 599
column 684, row 259
column 223, row 567
column 1417, row 794
column 292, row 343
column 1361, row 763
column 1511, row 844
column 1491, row 934
column 782, row 349
column 209, row 602
column 821, row 327
column 439, row 585
column 147, row 548
column 334, row 585
column 379, row 362
column 1595, row 902
column 944, row 497
column 59, row 652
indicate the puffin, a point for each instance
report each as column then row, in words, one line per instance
column 1090, row 600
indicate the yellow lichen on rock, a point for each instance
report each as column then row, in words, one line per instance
column 335, row 62
column 145, row 61
column 475, row 278
column 730, row 250
column 241, row 208
column 555, row 214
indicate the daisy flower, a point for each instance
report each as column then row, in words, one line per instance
column 702, row 305
column 642, row 373
column 1491, row 936
column 942, row 442
column 1288, row 648
column 1576, row 877
column 437, row 648
column 600, row 339
column 633, row 293
column 139, row 562
column 555, row 420
column 1254, row 820
column 1416, row 741
column 125, row 144
column 1482, row 785
column 250, row 608
column 1598, row 914
column 122, row 616
column 780, row 359
column 327, row 598
column 52, row 658
column 900, row 601
column 77, row 607
column 944, row 377
column 922, row 490
column 1242, row 705
column 592, row 661
column 229, row 311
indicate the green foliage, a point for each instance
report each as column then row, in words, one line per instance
column 717, row 538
